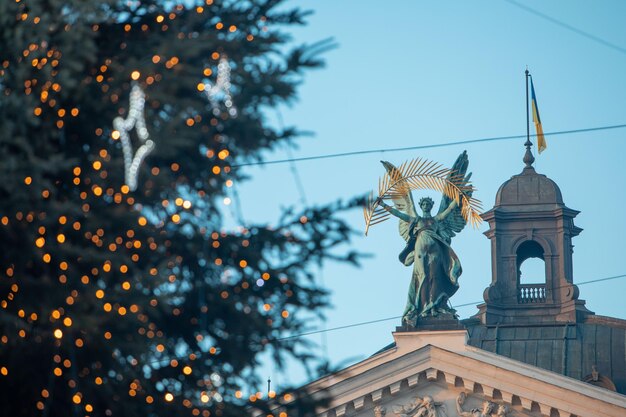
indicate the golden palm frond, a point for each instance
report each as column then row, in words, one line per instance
column 373, row 213
column 422, row 174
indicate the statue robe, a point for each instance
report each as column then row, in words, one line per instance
column 436, row 270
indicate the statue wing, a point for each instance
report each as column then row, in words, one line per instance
column 454, row 222
column 403, row 203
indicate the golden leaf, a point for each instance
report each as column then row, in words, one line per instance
column 422, row 174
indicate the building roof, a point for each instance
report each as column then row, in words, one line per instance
column 569, row 349
column 442, row 365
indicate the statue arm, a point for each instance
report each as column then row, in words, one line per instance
column 459, row 402
column 461, row 412
column 447, row 211
column 396, row 212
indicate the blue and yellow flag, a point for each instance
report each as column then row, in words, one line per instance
column 541, row 140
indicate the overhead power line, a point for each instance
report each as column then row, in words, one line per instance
column 434, row 145
column 364, row 323
column 347, row 326
column 569, row 27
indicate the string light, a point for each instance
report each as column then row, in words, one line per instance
column 122, row 127
column 220, row 91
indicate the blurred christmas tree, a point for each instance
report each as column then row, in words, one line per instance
column 120, row 291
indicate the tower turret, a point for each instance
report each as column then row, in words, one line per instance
column 530, row 220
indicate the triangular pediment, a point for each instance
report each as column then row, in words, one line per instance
column 440, row 365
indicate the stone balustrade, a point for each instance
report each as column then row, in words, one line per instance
column 531, row 293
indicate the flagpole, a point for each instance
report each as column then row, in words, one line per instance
column 528, row 156
column 527, row 113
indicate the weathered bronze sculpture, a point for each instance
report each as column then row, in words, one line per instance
column 436, row 268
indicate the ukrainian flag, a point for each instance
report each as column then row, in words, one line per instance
column 541, row 140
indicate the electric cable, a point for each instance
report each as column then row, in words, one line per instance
column 435, row 145
column 347, row 326
column 569, row 27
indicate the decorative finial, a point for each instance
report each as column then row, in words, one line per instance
column 528, row 156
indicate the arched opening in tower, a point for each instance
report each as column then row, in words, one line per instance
column 531, row 273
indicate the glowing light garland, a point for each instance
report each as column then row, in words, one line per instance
column 221, row 89
column 123, row 126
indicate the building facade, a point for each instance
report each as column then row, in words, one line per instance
column 533, row 348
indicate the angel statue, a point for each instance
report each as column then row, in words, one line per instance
column 436, row 268
column 421, row 407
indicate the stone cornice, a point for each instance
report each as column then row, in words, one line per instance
column 551, row 213
column 495, row 376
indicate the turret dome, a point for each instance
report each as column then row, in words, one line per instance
column 529, row 188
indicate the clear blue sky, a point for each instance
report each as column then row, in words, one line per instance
column 411, row 73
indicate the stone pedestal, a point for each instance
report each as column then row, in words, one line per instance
column 440, row 322
column 451, row 340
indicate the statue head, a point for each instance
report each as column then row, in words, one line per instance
column 502, row 410
column 426, row 204
column 487, row 407
column 379, row 411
